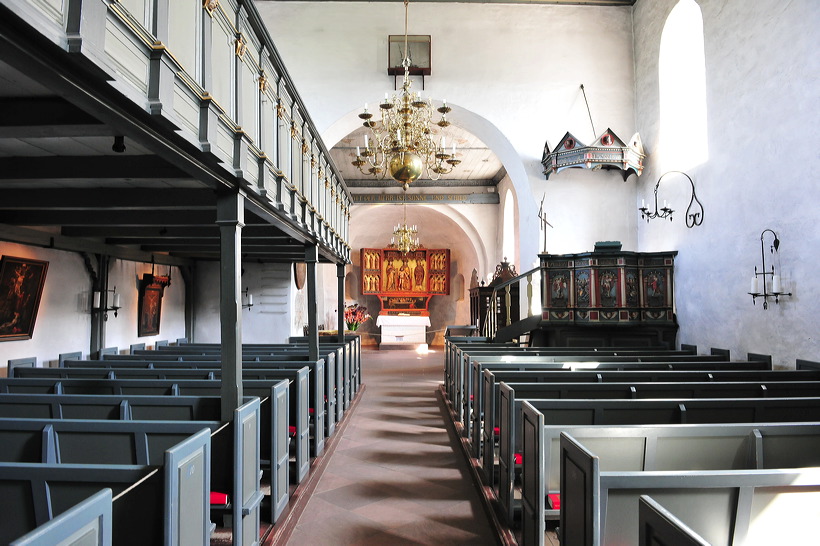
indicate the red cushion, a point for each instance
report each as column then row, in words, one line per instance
column 310, row 411
column 554, row 500
column 496, row 431
column 219, row 498
column 292, row 430
column 518, row 458
column 471, row 398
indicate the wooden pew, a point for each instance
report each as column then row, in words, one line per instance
column 272, row 433
column 644, row 412
column 472, row 398
column 666, row 447
column 89, row 521
column 240, row 477
column 612, row 390
column 182, row 475
column 758, row 506
column 657, row 526
column 322, row 399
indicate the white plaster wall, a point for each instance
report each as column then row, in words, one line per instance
column 512, row 74
column 762, row 104
column 63, row 322
column 268, row 321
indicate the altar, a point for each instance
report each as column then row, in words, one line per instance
column 402, row 330
column 404, row 282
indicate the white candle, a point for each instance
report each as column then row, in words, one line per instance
column 664, row 203
column 358, row 153
column 454, row 148
column 443, row 145
column 753, row 288
column 643, row 203
column 366, row 142
column 445, row 102
column 385, row 97
column 365, row 107
column 117, row 300
column 250, row 299
column 96, row 304
column 777, row 286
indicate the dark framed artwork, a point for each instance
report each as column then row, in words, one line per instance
column 21, row 287
column 152, row 288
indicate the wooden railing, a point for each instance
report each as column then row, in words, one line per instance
column 503, row 292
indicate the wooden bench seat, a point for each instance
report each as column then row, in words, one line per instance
column 489, row 430
column 34, row 493
column 471, row 399
column 323, row 395
column 725, row 507
column 240, row 473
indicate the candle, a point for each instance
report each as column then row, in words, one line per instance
column 96, row 304
column 117, row 300
column 366, row 142
column 454, row 148
column 445, row 102
column 365, row 107
column 643, row 203
column 358, row 153
column 753, row 288
column 443, row 145
column 250, row 299
column 777, row 286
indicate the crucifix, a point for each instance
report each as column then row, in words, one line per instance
column 542, row 215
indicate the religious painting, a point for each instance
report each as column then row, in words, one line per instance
column 655, row 288
column 21, row 287
column 152, row 288
column 608, row 287
column 558, row 288
column 582, row 295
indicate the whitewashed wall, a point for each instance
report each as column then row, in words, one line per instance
column 268, row 321
column 512, row 74
column 762, row 104
column 63, row 322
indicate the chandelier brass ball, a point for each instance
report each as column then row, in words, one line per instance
column 406, row 167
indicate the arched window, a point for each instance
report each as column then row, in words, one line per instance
column 682, row 86
column 508, row 228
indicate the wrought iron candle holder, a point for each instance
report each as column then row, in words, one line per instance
column 97, row 297
column 694, row 212
column 776, row 283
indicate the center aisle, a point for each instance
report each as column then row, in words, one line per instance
column 397, row 475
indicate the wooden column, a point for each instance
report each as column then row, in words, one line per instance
column 340, row 276
column 311, row 257
column 230, row 218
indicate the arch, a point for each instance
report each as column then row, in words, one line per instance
column 682, row 89
column 488, row 133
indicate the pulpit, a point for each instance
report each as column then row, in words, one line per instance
column 481, row 298
column 608, row 297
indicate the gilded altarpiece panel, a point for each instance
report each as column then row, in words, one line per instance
column 405, row 282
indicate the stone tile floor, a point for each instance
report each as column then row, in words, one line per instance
column 397, row 476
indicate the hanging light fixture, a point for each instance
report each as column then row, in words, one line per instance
column 404, row 237
column 402, row 142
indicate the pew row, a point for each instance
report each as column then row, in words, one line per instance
column 239, row 476
column 490, row 430
column 269, row 390
column 472, row 397
column 163, row 502
column 725, row 507
column 323, row 395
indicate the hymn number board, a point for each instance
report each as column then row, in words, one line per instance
column 395, row 276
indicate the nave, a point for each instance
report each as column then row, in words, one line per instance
column 397, row 475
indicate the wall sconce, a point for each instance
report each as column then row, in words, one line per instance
column 777, row 286
column 95, row 306
column 693, row 217
column 248, row 298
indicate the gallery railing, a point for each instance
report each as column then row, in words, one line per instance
column 210, row 70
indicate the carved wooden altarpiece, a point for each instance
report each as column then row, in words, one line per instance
column 405, row 282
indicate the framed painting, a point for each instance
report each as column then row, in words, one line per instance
column 150, row 304
column 21, row 286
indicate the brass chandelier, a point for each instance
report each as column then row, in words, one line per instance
column 404, row 237
column 402, row 141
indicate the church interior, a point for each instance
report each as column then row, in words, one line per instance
column 227, row 183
